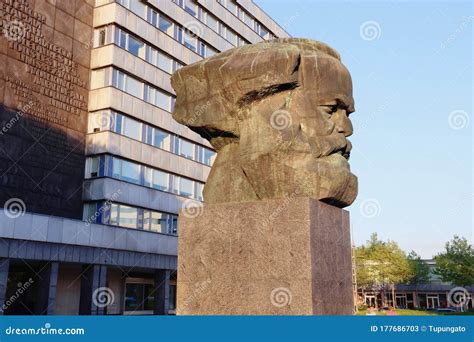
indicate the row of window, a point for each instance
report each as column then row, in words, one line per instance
column 166, row 25
column 130, row 217
column 125, row 170
column 247, row 18
column 129, row 84
column 124, row 125
column 211, row 21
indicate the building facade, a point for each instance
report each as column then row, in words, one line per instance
column 434, row 295
column 94, row 170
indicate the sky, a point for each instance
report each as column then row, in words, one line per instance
column 412, row 70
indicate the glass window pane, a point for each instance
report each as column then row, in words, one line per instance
column 189, row 41
column 116, row 168
column 190, row 7
column 130, row 172
column 163, row 100
column 128, row 217
column 114, row 209
column 186, row 187
column 148, row 177
column 134, row 87
column 164, row 25
column 212, row 23
column 231, row 37
column 158, row 222
column 187, row 149
column 165, row 63
column 120, row 80
column 149, row 135
column 133, row 297
column 162, row 139
column 149, row 297
column 118, row 123
column 160, row 180
column 231, row 6
column 136, row 47
column 137, row 7
column 209, row 156
column 132, row 128
column 123, row 39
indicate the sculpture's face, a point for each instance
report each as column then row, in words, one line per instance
column 279, row 128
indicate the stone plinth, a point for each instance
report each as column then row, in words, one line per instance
column 277, row 257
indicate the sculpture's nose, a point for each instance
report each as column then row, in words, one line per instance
column 342, row 123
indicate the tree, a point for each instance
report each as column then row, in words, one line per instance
column 456, row 263
column 419, row 269
column 380, row 265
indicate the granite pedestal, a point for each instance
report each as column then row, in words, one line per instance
column 276, row 257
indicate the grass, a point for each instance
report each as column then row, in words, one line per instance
column 407, row 312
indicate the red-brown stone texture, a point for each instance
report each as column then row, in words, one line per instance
column 288, row 256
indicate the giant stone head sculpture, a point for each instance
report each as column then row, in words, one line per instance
column 277, row 113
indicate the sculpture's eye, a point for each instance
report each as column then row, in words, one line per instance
column 332, row 108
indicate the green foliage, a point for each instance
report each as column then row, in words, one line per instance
column 456, row 263
column 419, row 269
column 380, row 264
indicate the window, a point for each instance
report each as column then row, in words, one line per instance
column 127, row 84
column 190, row 40
column 118, row 123
column 165, row 25
column 132, row 128
column 162, row 139
column 165, row 63
column 134, row 87
column 232, row 7
column 159, row 99
column 199, row 188
column 212, row 22
column 190, row 7
column 130, row 172
column 160, row 180
column 155, row 221
column 231, row 36
column 136, row 47
column 123, row 216
column 92, row 167
column 187, row 149
column 139, row 296
column 136, row 6
column 126, row 171
column 98, row 79
column 263, row 32
column 209, row 156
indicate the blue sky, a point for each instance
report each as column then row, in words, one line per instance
column 412, row 70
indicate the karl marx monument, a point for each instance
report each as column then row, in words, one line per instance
column 272, row 237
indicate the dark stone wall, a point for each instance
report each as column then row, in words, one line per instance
column 44, row 82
